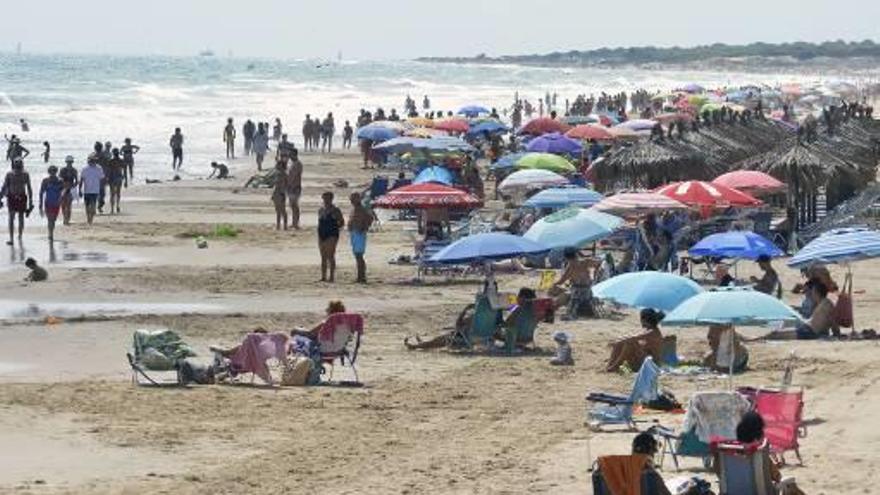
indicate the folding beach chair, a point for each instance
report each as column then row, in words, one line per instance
column 157, row 351
column 783, row 420
column 650, row 481
column 617, row 409
column 335, row 337
column 744, row 469
column 425, row 265
column 253, row 356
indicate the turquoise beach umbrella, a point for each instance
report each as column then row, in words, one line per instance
column 739, row 306
column 658, row 290
column 573, row 227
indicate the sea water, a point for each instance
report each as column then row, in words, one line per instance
column 74, row 100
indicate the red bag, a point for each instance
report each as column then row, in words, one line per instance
column 843, row 311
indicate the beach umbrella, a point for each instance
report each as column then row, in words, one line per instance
column 700, row 193
column 555, row 143
column 377, row 133
column 638, row 124
column 472, row 110
column 750, row 181
column 487, row 126
column 545, row 161
column 390, row 124
column 421, row 121
column 658, row 290
column 426, row 196
column 438, row 143
column 580, row 119
column 634, row 203
column 735, row 245
column 543, row 125
column 452, row 125
column 507, row 161
column 423, row 132
column 666, row 118
column 573, row 227
column 492, row 246
column 693, row 88
column 618, row 132
column 435, row 174
column 606, row 119
column 590, row 131
column 839, row 246
column 561, row 197
column 524, row 180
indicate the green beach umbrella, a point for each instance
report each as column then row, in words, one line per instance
column 546, row 161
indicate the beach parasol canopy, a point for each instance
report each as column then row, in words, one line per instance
column 579, row 119
column 740, row 306
column 423, row 132
column 435, row 174
column 657, row 290
column 590, row 131
column 750, row 181
column 472, row 110
column 700, row 193
column 492, row 246
column 524, row 180
column 437, row 143
column 634, row 203
column 377, row 133
column 735, row 245
column 618, row 132
column 561, row 197
column 573, row 227
column 638, row 124
column 839, row 246
column 507, row 161
column 545, row 161
column 452, row 125
column 487, row 126
column 693, row 88
column 555, row 143
column 421, row 121
column 543, row 125
column 427, row 196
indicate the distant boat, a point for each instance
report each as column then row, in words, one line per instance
column 206, row 53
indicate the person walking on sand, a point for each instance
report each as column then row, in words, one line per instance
column 128, row 151
column 91, row 178
column 117, row 177
column 294, row 187
column 229, row 138
column 261, row 145
column 328, row 128
column 359, row 223
column 19, row 197
column 330, row 222
column 279, row 194
column 70, row 178
column 176, row 144
column 51, row 194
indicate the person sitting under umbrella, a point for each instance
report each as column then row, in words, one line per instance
column 769, row 282
column 632, row 351
column 740, row 356
column 822, row 322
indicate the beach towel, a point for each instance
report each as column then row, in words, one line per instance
column 623, row 473
column 645, row 388
column 715, row 415
column 159, row 350
column 256, row 349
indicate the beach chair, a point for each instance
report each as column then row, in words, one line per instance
column 335, row 337
column 484, row 323
column 253, row 354
column 157, row 351
column 617, row 409
column 425, row 265
column 744, row 469
column 783, row 420
column 650, row 481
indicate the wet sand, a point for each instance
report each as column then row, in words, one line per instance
column 427, row 422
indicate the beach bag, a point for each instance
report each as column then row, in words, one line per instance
column 297, row 371
column 843, row 311
column 190, row 371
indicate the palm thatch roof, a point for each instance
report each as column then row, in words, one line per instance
column 807, row 164
column 651, row 163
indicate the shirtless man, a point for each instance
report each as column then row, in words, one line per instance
column 19, row 197
column 294, row 187
column 284, row 149
column 347, row 134
column 229, row 138
column 117, row 177
column 128, row 151
column 577, row 273
column 70, row 178
column 176, row 144
column 279, row 195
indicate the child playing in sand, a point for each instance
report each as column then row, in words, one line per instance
column 563, row 350
column 37, row 274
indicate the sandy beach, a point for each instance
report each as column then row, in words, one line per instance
column 426, row 422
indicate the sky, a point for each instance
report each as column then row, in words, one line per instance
column 401, row 29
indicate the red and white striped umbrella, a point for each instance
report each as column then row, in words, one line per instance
column 705, row 194
column 638, row 202
column 427, row 195
column 750, row 181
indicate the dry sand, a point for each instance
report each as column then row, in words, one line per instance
column 427, row 422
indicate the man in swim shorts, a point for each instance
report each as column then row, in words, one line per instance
column 176, row 144
column 19, row 197
column 90, row 187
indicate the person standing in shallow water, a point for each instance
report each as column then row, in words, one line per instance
column 261, row 145
column 128, row 151
column 328, row 128
column 248, row 130
column 330, row 222
column 176, row 144
column 229, row 138
column 19, row 197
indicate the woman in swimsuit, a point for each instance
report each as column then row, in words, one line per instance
column 279, row 194
column 330, row 222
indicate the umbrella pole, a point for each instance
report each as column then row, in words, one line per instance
column 732, row 332
column 850, row 292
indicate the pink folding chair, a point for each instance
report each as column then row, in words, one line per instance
column 255, row 350
column 335, row 336
column 783, row 420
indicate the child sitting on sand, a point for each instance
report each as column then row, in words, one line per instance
column 38, row 273
column 563, row 350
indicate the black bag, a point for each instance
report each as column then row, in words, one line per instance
column 189, row 371
column 665, row 401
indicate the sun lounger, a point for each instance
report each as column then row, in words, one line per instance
column 617, row 409
column 157, row 351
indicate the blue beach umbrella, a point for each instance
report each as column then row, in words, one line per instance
column 573, row 227
column 731, row 306
column 555, row 143
column 376, row 133
column 735, row 245
column 561, row 197
column 839, row 246
column 658, row 290
column 404, row 144
column 472, row 110
column 438, row 175
column 489, row 126
column 507, row 161
column 491, row 246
